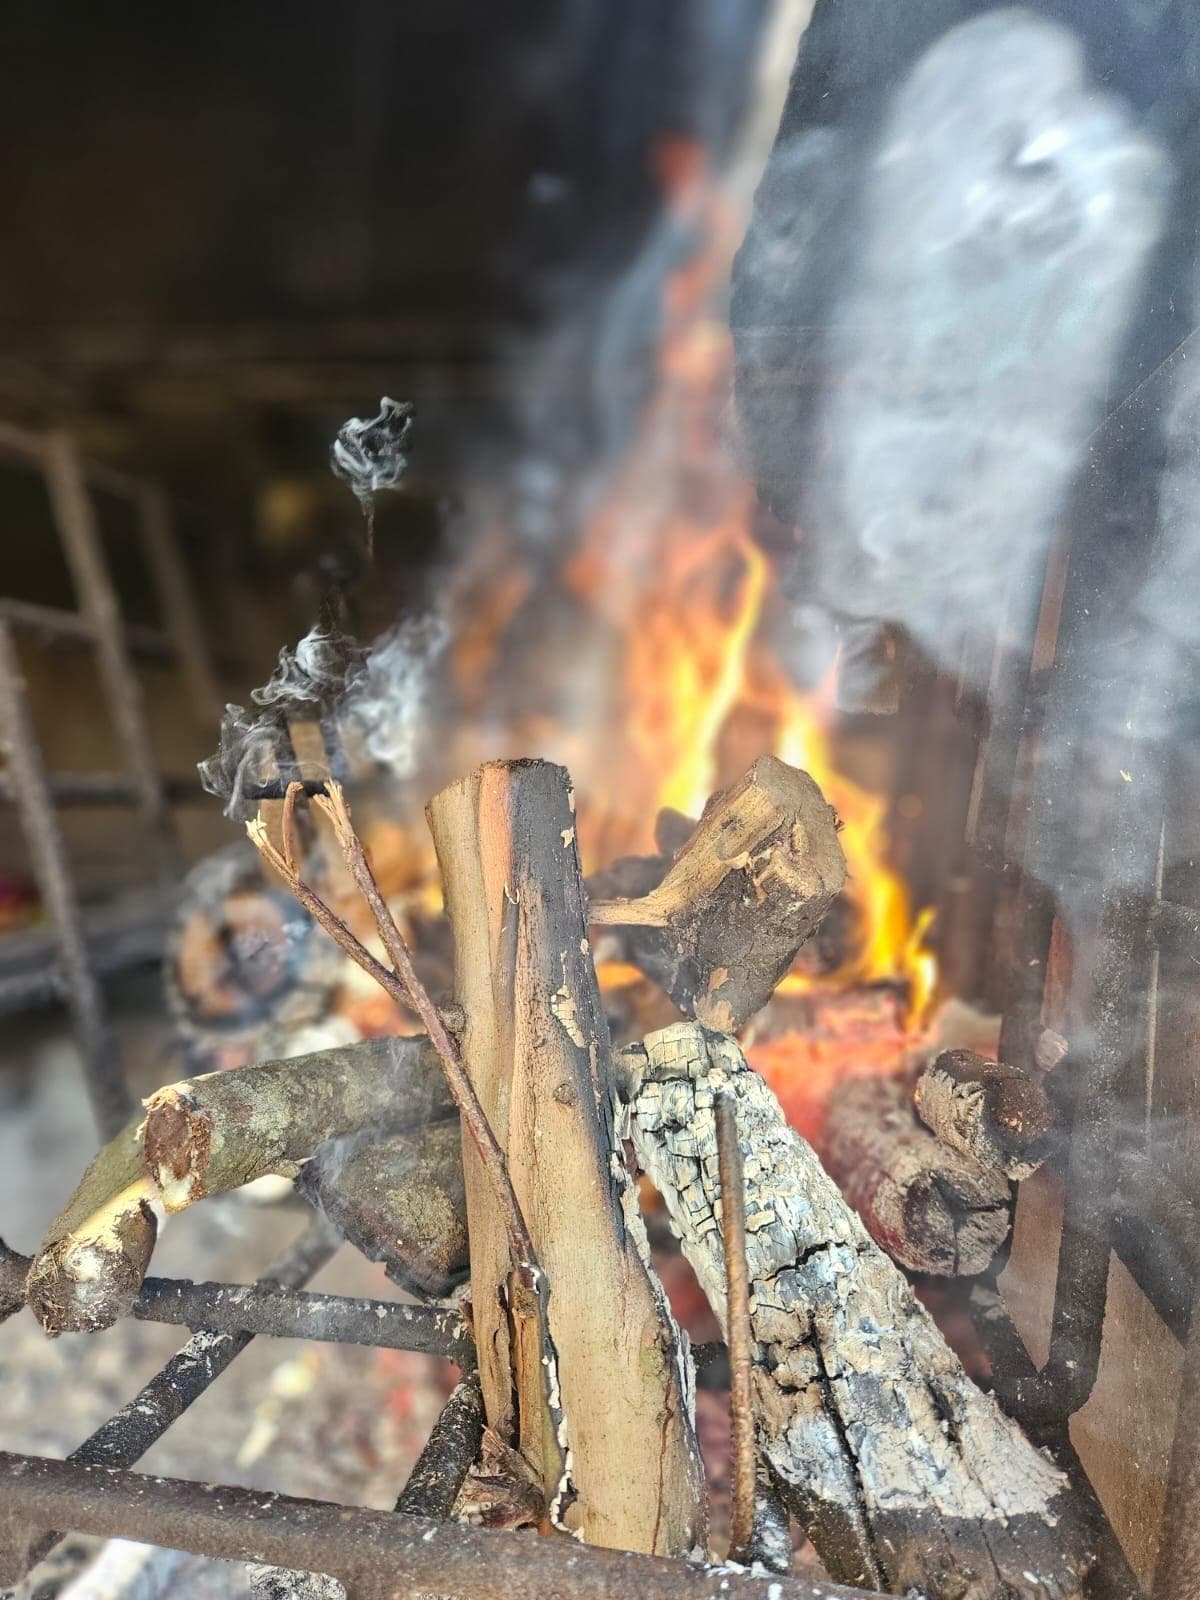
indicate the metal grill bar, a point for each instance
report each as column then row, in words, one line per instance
column 102, row 789
column 127, row 1435
column 378, row 1555
column 75, row 518
column 284, row 1313
column 107, row 1090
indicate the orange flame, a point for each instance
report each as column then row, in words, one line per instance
column 672, row 591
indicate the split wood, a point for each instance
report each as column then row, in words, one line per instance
column 1000, row 1115
column 906, row 1476
column 932, row 1208
column 203, row 1136
column 536, row 1044
column 746, row 889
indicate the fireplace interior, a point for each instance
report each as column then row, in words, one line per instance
column 600, row 926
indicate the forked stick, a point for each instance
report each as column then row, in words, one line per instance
column 401, row 983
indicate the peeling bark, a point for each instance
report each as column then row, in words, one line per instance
column 744, row 892
column 931, row 1208
column 907, row 1477
column 536, row 1045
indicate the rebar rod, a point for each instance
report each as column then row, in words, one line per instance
column 284, row 1313
column 130, row 1432
column 378, row 1555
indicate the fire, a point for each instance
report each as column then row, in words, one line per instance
column 672, row 596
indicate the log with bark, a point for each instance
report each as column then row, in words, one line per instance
column 400, row 1199
column 748, row 887
column 907, row 1477
column 931, row 1208
column 206, row 1135
column 536, row 1046
column 1000, row 1115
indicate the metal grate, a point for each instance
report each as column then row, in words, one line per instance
column 37, row 794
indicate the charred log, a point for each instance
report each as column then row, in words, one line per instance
column 746, row 890
column 399, row 1199
column 907, row 1477
column 1000, row 1115
column 933, row 1209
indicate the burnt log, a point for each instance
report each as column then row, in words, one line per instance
column 399, row 1199
column 749, row 886
column 997, row 1114
column 933, row 1209
column 619, row 1462
column 907, row 1477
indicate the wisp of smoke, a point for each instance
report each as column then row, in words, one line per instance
column 379, row 694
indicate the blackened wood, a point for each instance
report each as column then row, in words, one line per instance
column 907, row 1477
column 998, row 1114
column 931, row 1208
column 748, row 888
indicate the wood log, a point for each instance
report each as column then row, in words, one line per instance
column 907, row 1477
column 536, row 1045
column 400, row 1199
column 999, row 1115
column 90, row 1266
column 746, row 890
column 209, row 1134
column 931, row 1208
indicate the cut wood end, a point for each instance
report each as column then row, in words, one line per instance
column 177, row 1141
column 89, row 1279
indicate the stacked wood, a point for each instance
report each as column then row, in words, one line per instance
column 748, row 887
column 536, row 1046
column 400, row 1199
column 907, row 1477
column 932, row 1208
column 206, row 1135
column 997, row 1114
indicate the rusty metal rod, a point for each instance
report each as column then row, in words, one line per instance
column 378, row 1555
column 79, row 534
column 102, row 788
column 738, row 1334
column 283, row 1313
column 127, row 1435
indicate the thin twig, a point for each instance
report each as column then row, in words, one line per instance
column 738, row 1336
column 404, row 986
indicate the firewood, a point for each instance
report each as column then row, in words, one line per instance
column 399, row 1198
column 998, row 1114
column 746, row 890
column 96, row 1251
column 205, row 1135
column 931, row 1208
column 907, row 1477
column 537, row 1049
